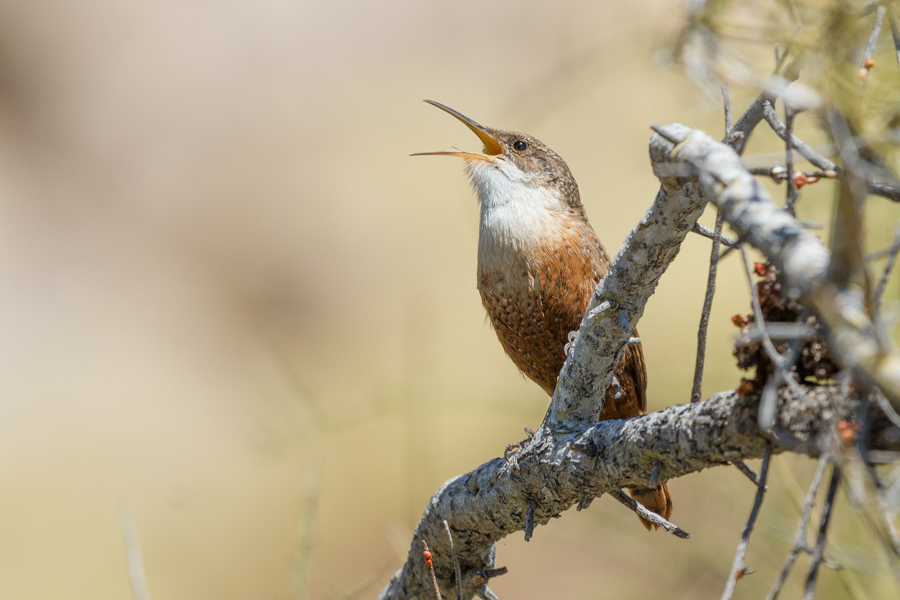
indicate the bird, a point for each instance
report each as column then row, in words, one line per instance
column 539, row 261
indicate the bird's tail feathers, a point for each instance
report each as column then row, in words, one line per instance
column 655, row 499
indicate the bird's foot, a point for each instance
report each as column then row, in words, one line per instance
column 614, row 390
column 511, row 454
column 568, row 347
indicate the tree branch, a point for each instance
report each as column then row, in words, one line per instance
column 738, row 568
column 489, row 503
column 795, row 251
column 619, row 300
column 800, row 536
column 885, row 189
column 696, row 389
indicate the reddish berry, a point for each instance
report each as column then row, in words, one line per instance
column 740, row 320
column 427, row 554
column 870, row 62
column 759, row 268
column 428, row 562
column 846, row 429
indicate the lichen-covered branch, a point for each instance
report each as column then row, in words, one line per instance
column 794, row 250
column 887, row 189
column 619, row 300
column 553, row 472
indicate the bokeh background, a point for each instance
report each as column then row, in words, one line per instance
column 234, row 308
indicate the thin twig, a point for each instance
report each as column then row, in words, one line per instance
column 306, row 522
column 529, row 521
column 777, row 330
column 879, row 254
column 768, row 400
column 892, row 493
column 878, row 292
column 800, row 536
column 847, row 263
column 816, row 559
column 895, row 33
column 776, row 358
column 133, row 553
column 779, row 173
column 730, row 249
column 789, row 161
column 584, row 502
column 883, row 529
column 892, row 540
column 886, row 189
column 710, row 234
column 748, row 472
column 455, row 562
column 813, row 224
column 782, row 364
column 776, row 173
column 738, row 568
column 664, row 134
column 886, row 407
column 872, row 5
column 654, row 518
column 802, row 148
column 430, row 565
column 485, row 593
column 726, row 100
column 696, row 390
column 882, row 457
column 740, row 132
column 886, row 517
column 873, row 36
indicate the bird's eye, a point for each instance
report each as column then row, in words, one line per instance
column 520, row 145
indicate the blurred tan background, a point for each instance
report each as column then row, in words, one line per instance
column 231, row 303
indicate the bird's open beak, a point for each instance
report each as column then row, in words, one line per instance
column 492, row 147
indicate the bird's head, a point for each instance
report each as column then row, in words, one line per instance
column 513, row 167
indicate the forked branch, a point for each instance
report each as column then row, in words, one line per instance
column 798, row 253
column 490, row 503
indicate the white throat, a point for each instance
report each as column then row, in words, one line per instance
column 517, row 212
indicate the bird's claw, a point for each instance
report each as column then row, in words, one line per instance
column 511, row 454
column 614, row 390
column 571, row 344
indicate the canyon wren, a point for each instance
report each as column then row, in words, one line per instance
column 539, row 261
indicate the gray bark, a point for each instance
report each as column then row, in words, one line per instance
column 619, row 300
column 554, row 471
column 797, row 252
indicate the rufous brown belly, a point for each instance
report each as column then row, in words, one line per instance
column 533, row 310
